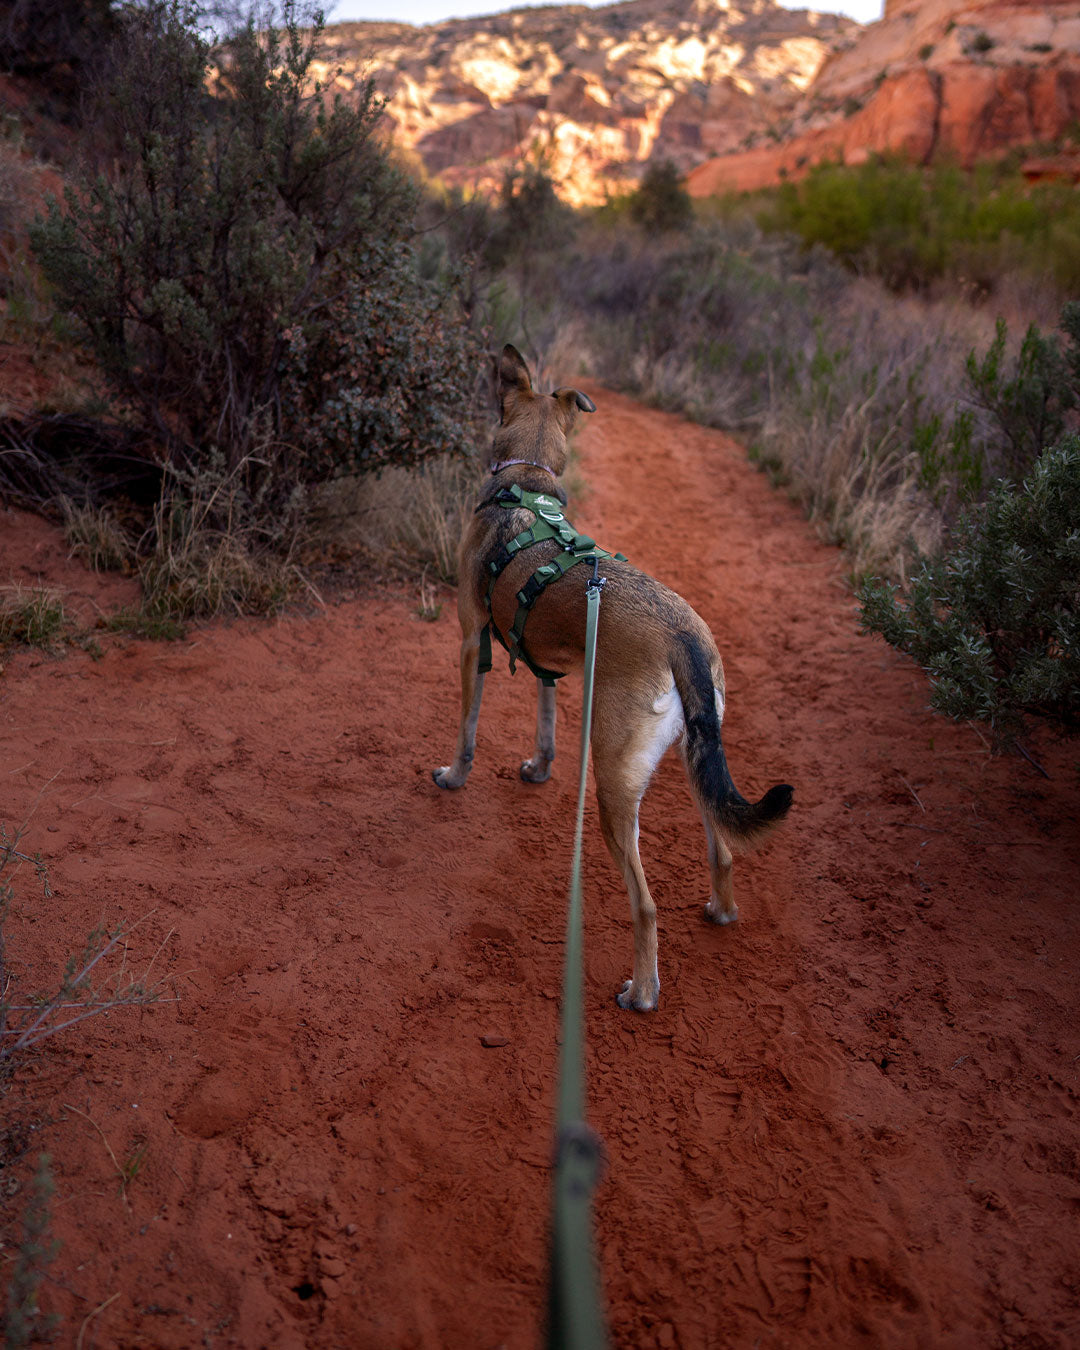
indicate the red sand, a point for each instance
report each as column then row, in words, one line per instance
column 853, row 1120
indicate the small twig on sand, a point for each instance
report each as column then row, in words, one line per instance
column 913, row 793
column 1033, row 762
column 87, row 1319
column 119, row 1170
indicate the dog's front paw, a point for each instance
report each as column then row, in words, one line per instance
column 536, row 770
column 644, row 1000
column 715, row 914
column 447, row 778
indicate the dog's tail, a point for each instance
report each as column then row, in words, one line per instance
column 742, row 823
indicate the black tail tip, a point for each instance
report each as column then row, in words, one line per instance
column 776, row 802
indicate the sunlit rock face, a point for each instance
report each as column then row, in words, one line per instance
column 934, row 79
column 597, row 92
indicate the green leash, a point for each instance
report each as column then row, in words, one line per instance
column 575, row 1321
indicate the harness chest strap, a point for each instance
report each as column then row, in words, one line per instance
column 550, row 523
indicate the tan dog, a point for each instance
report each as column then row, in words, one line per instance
column 658, row 672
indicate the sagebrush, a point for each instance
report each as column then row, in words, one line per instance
column 995, row 618
column 242, row 267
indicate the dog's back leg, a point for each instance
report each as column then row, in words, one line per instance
column 619, row 826
column 472, row 691
column 628, row 743
column 721, row 907
column 538, row 769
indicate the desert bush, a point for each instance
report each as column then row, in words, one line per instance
column 1010, row 405
column 995, row 619
column 1029, row 402
column 244, row 274
column 388, row 381
column 531, row 221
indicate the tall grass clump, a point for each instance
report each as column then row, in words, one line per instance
column 96, row 536
column 31, row 616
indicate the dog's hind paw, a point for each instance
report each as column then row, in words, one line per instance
column 644, row 1002
column 536, row 770
column 446, row 778
column 721, row 916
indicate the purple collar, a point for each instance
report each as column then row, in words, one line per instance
column 501, row 464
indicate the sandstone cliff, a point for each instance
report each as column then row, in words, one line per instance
column 599, row 91
column 934, row 78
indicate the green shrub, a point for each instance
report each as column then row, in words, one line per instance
column 1008, row 411
column 385, row 380
column 914, row 226
column 243, row 275
column 1029, row 403
column 661, row 202
column 530, row 221
column 995, row 621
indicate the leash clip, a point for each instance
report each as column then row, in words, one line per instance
column 596, row 581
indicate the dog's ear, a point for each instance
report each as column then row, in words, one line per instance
column 570, row 400
column 513, row 372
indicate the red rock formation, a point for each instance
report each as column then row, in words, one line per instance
column 932, row 80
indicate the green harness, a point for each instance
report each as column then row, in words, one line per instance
column 576, row 548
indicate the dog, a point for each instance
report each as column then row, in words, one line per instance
column 658, row 677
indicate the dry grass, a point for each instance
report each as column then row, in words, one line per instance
column 33, row 616
column 830, row 379
column 97, row 537
column 200, row 570
column 412, row 518
column 860, row 490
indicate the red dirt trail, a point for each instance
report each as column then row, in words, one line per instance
column 852, row 1122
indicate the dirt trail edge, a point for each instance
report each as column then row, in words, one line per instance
column 853, row 1120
